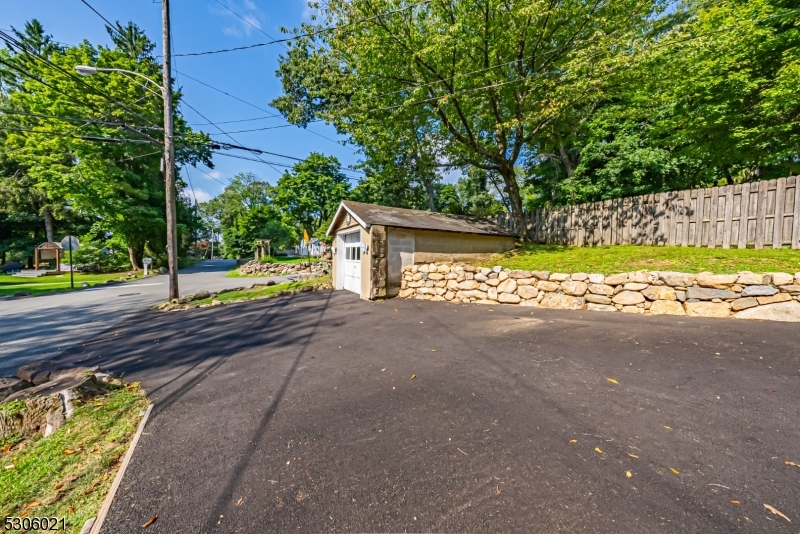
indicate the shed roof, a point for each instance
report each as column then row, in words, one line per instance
column 369, row 214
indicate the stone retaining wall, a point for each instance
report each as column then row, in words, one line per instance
column 746, row 295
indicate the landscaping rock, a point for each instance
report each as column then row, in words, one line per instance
column 616, row 279
column 780, row 297
column 634, row 286
column 628, row 298
column 793, row 289
column 468, row 285
column 491, row 294
column 659, row 293
column 677, row 279
column 200, row 295
column 601, row 289
column 597, row 299
column 597, row 279
column 783, row 311
column 632, row 309
column 759, row 291
column 600, row 307
column 508, row 298
column 548, row 286
column 526, row 292
column 707, row 309
column 704, row 293
column 43, row 371
column 753, row 279
column 558, row 301
column 545, row 275
column 579, row 277
column 520, row 274
column 743, row 304
column 719, row 281
column 667, row 307
column 508, row 285
column 639, row 277
column 558, row 277
column 12, row 384
column 576, row 289
column 781, row 279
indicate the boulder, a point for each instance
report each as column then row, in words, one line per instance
column 667, row 307
column 659, row 293
column 759, row 291
column 601, row 289
column 502, row 275
column 548, row 286
column 576, row 289
column 634, row 286
column 753, row 279
column 480, row 277
column 558, row 277
column 628, row 298
column 494, row 282
column 527, row 292
column 597, row 299
column 707, row 309
column 719, row 281
column 780, row 297
column 520, row 274
column 743, row 304
column 680, row 295
column 616, row 279
column 508, row 298
column 12, row 384
column 449, row 295
column 43, row 371
column 492, row 293
column 632, row 309
column 526, row 281
column 558, row 301
column 579, row 277
column 200, row 295
column 781, row 279
column 439, row 276
column 677, row 279
column 704, row 293
column 597, row 279
column 545, row 275
column 468, row 284
column 444, row 269
column 600, row 307
column 793, row 289
column 639, row 277
column 783, row 311
column 509, row 285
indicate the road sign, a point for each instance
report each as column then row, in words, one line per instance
column 147, row 261
column 70, row 243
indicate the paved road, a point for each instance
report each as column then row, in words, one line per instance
column 299, row 414
column 40, row 327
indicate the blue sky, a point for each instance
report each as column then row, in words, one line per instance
column 201, row 25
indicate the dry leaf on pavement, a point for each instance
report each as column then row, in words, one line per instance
column 632, row 455
column 628, row 474
column 735, row 502
column 776, row 512
column 597, row 449
column 573, row 441
column 612, row 380
column 792, row 464
column 413, row 377
column 674, row 470
column 150, row 521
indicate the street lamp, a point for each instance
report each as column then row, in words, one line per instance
column 169, row 151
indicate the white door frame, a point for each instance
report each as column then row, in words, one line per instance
column 341, row 253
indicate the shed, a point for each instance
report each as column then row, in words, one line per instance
column 372, row 244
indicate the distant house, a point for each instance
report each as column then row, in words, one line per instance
column 373, row 243
column 316, row 247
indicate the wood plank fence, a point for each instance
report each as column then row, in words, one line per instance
column 761, row 214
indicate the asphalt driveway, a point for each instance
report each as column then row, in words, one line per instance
column 300, row 414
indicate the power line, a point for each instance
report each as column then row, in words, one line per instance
column 244, row 19
column 112, row 26
column 311, row 34
column 240, row 120
column 75, row 119
column 84, row 137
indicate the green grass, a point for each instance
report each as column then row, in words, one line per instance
column 259, row 293
column 10, row 285
column 622, row 258
column 69, row 473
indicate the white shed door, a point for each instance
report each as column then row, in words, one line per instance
column 352, row 262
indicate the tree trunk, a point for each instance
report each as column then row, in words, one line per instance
column 429, row 189
column 133, row 255
column 515, row 199
column 569, row 166
column 48, row 223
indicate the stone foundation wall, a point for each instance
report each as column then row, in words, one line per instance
column 746, row 295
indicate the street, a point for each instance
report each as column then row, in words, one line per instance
column 41, row 327
column 324, row 413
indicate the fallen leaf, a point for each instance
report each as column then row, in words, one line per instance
column 628, row 474
column 99, row 404
column 70, row 510
column 735, row 502
column 68, row 451
column 597, row 450
column 792, row 464
column 239, row 502
column 382, row 370
column 105, row 477
column 151, row 521
column 497, row 490
column 612, row 380
column 433, row 350
column 395, row 309
column 632, row 455
column 776, row 512
column 675, row 471
column 32, row 504
column 413, row 377
column 6, row 448
column 573, row 441
column 668, row 427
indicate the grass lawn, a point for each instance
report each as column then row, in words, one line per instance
column 262, row 292
column 69, row 473
column 9, row 285
column 622, row 258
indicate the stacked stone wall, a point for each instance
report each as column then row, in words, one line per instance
column 745, row 295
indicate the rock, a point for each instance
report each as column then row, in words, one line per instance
column 216, row 302
column 579, row 277
column 494, row 282
column 676, row 279
column 558, row 277
column 753, row 279
column 704, row 293
column 449, row 296
column 707, row 309
column 628, row 298
column 485, row 301
column 548, row 286
column 87, row 527
column 793, row 289
column 639, row 277
column 532, row 303
column 616, row 279
column 507, row 286
column 527, row 292
column 444, row 269
column 667, row 307
column 502, row 276
column 437, row 298
column 468, row 284
column 719, row 281
column 12, row 384
column 597, row 299
column 743, row 304
column 600, row 307
column 759, row 291
column 200, row 295
column 632, row 309
column 601, row 289
column 634, row 286
column 780, row 297
column 545, row 275
column 474, row 294
column 781, row 279
column 422, row 268
column 42, row 371
column 492, row 293
column 451, row 284
column 483, row 287
column 680, row 295
column 558, row 301
column 659, row 293
column 438, row 276
column 783, row 311
column 520, row 274
column 597, row 279
column 576, row 289
column 480, row 277
column 508, row 298
column 497, row 268
column 526, row 281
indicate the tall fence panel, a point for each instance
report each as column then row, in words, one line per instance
column 762, row 214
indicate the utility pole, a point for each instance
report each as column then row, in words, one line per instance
column 169, row 156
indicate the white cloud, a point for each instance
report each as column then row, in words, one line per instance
column 242, row 18
column 214, row 175
column 201, row 196
column 249, row 4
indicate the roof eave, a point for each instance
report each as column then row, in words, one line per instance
column 343, row 206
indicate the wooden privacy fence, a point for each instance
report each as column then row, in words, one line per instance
column 761, row 214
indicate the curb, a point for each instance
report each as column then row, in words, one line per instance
column 118, row 479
